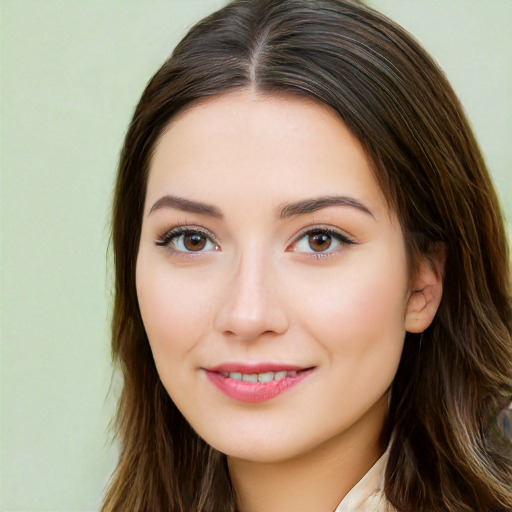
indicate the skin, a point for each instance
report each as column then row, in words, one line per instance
column 257, row 292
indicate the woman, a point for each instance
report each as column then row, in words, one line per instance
column 312, row 306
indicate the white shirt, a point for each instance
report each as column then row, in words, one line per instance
column 368, row 494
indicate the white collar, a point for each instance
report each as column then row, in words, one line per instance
column 368, row 494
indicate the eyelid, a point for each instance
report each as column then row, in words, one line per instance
column 327, row 229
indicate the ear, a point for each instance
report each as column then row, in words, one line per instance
column 426, row 291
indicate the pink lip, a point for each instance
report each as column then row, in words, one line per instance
column 255, row 367
column 254, row 391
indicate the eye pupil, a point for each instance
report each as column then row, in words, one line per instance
column 319, row 241
column 194, row 242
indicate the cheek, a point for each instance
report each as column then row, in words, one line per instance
column 174, row 308
column 358, row 307
column 358, row 320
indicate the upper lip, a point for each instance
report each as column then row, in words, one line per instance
column 256, row 367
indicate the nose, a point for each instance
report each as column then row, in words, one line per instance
column 252, row 305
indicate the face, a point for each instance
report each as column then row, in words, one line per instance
column 271, row 277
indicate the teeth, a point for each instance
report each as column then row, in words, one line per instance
column 259, row 377
column 265, row 377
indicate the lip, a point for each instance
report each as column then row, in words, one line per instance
column 255, row 391
column 256, row 367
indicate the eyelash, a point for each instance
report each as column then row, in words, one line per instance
column 178, row 231
column 343, row 239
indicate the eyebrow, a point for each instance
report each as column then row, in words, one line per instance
column 186, row 205
column 289, row 210
column 313, row 205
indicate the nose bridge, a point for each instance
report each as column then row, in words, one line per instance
column 252, row 304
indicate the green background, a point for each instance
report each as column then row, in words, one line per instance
column 71, row 74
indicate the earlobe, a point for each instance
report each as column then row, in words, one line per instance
column 426, row 292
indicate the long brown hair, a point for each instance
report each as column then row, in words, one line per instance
column 446, row 455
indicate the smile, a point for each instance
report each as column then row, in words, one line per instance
column 253, row 386
column 259, row 377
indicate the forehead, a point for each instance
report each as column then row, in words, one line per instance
column 273, row 147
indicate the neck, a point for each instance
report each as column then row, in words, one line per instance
column 315, row 481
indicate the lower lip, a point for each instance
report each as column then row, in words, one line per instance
column 254, row 391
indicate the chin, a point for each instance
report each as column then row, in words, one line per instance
column 269, row 444
column 263, row 445
column 261, row 451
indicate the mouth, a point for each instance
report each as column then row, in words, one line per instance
column 260, row 377
column 256, row 383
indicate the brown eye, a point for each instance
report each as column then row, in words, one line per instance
column 184, row 240
column 194, row 242
column 319, row 241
